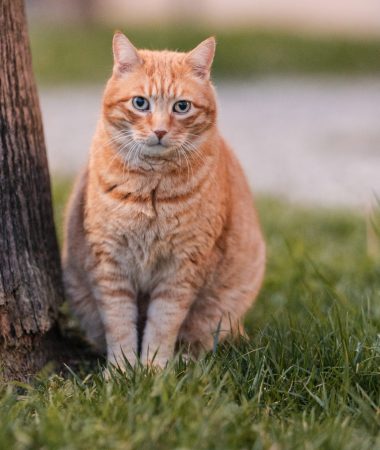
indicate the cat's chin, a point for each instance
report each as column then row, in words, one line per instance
column 156, row 151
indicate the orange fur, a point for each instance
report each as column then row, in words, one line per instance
column 163, row 245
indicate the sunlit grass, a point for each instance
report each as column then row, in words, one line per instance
column 308, row 377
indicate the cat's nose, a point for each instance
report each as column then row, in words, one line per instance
column 160, row 133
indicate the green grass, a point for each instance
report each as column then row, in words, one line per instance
column 66, row 54
column 308, row 377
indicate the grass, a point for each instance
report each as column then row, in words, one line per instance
column 308, row 377
column 66, row 54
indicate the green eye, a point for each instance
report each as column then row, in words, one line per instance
column 140, row 103
column 182, row 106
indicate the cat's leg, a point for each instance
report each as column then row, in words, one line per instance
column 229, row 291
column 218, row 311
column 209, row 322
column 117, row 305
column 83, row 305
column 168, row 307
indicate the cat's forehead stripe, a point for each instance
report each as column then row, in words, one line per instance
column 163, row 71
column 162, row 87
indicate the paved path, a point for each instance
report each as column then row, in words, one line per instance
column 309, row 140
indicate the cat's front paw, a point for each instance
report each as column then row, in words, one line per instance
column 156, row 362
column 112, row 369
column 119, row 364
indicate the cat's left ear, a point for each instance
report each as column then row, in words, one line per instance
column 200, row 59
column 125, row 54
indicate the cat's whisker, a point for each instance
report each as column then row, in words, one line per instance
column 193, row 150
column 179, row 155
column 125, row 163
column 118, row 153
column 193, row 135
column 129, row 160
column 189, row 166
column 190, row 146
column 119, row 136
column 134, row 153
column 139, row 148
column 182, row 151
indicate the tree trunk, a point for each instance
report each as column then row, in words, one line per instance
column 30, row 275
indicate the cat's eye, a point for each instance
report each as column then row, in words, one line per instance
column 182, row 106
column 140, row 103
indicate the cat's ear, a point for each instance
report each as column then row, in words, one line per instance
column 201, row 57
column 125, row 54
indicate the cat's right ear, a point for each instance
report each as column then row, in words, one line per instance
column 201, row 57
column 125, row 54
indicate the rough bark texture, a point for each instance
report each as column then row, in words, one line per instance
column 30, row 276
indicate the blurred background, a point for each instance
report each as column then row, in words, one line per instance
column 298, row 84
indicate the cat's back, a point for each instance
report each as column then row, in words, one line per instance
column 238, row 187
column 242, row 219
column 74, row 236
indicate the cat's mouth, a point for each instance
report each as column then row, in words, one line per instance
column 140, row 149
column 156, row 150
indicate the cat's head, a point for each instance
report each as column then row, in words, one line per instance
column 159, row 104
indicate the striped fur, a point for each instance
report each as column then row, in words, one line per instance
column 162, row 244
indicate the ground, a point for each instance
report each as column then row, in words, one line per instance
column 307, row 378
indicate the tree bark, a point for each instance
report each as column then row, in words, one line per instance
column 30, row 274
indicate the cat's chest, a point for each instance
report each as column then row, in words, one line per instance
column 158, row 233
column 148, row 235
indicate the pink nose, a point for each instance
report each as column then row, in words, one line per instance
column 160, row 133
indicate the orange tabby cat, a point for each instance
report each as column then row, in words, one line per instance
column 163, row 244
